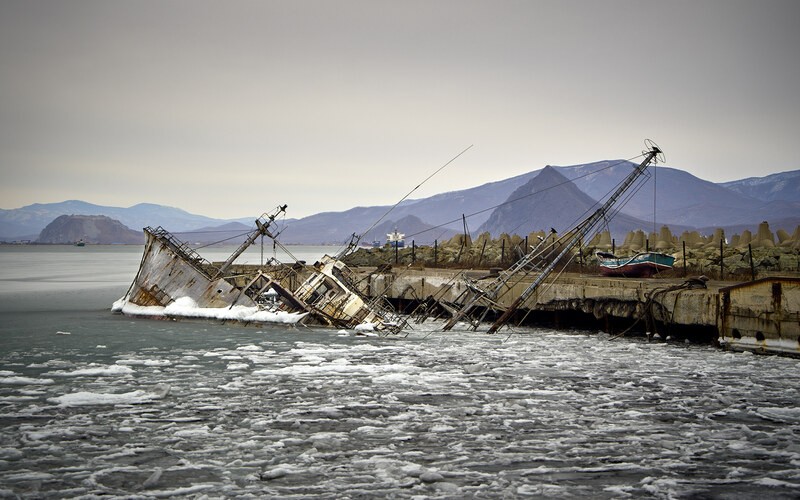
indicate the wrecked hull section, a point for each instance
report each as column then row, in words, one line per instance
column 168, row 271
column 174, row 281
column 332, row 294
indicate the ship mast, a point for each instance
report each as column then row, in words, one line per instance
column 262, row 229
column 580, row 231
column 575, row 235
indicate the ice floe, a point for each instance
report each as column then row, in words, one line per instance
column 86, row 398
column 19, row 380
column 95, row 371
column 186, row 307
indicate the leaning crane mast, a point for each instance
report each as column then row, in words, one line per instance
column 579, row 232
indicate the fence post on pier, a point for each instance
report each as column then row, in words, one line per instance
column 502, row 251
column 684, row 258
column 613, row 245
column 752, row 267
column 413, row 252
column 721, row 259
column 396, row 252
column 435, row 251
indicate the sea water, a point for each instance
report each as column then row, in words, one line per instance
column 98, row 404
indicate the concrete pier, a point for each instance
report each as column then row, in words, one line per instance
column 763, row 315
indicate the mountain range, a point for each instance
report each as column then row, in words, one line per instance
column 555, row 196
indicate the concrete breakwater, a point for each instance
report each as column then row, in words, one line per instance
column 744, row 256
column 761, row 315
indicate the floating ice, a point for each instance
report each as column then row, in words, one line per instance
column 10, row 454
column 186, row 307
column 85, row 398
column 95, row 371
column 439, row 415
column 193, row 431
column 25, row 381
column 144, row 362
column 238, row 366
column 788, row 415
column 250, row 347
column 366, row 333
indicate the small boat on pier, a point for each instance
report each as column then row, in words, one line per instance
column 641, row 265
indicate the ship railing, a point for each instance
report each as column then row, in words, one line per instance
column 182, row 249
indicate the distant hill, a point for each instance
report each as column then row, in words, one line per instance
column 91, row 229
column 337, row 227
column 230, row 233
column 681, row 198
column 550, row 200
column 681, row 201
column 784, row 186
column 30, row 220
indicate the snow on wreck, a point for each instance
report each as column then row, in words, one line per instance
column 175, row 281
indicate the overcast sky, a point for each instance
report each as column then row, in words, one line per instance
column 227, row 109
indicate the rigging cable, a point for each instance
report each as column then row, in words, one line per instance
column 523, row 196
column 412, row 191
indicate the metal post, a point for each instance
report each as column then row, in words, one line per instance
column 613, row 245
column 752, row 267
column 721, row 260
column 435, row 251
column 396, row 252
column 684, row 258
column 647, row 245
column 503, row 251
column 413, row 252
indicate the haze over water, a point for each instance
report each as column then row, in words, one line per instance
column 93, row 403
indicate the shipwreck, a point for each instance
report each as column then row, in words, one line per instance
column 174, row 281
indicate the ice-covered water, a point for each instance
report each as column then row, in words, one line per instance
column 98, row 404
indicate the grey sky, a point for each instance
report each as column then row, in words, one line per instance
column 228, row 109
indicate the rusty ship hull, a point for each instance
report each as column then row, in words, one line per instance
column 174, row 281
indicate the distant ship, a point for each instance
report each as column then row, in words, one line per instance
column 395, row 239
column 80, row 243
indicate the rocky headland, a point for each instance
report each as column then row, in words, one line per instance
column 89, row 229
